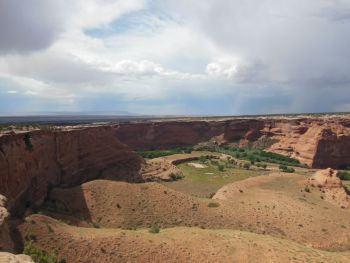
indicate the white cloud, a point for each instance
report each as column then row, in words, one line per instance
column 12, row 91
column 222, row 68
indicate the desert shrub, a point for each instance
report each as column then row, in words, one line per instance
column 155, row 229
column 41, row 256
column 246, row 166
column 290, row 170
column 282, row 167
column 175, row 177
column 211, row 195
column 95, row 225
column 214, row 162
column 213, row 205
column 307, row 189
column 27, row 140
column 202, row 159
column 286, row 169
column 221, row 168
column 343, row 175
column 264, row 165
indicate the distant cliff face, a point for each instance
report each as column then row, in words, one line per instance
column 31, row 163
column 165, row 135
column 319, row 142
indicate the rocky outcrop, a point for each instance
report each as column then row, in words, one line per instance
column 332, row 187
column 6, row 243
column 10, row 258
column 320, row 145
column 160, row 169
column 31, row 163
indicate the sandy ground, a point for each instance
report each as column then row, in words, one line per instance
column 275, row 205
column 197, row 165
column 170, row 245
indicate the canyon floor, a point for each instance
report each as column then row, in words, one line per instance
column 234, row 215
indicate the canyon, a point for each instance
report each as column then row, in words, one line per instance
column 62, row 165
column 317, row 142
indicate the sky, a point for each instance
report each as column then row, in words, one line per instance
column 174, row 57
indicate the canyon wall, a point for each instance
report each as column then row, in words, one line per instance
column 317, row 142
column 169, row 134
column 32, row 163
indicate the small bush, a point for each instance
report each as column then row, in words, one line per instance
column 202, row 159
column 286, row 169
column 155, row 229
column 213, row 205
column 221, row 168
column 211, row 195
column 27, row 140
column 246, row 166
column 282, row 167
column 39, row 255
column 214, row 162
column 307, row 189
column 175, row 177
column 344, row 176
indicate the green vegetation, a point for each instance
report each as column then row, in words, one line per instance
column 41, row 256
column 343, row 175
column 175, row 177
column 27, row 140
column 155, row 229
column 254, row 155
column 286, row 169
column 205, row 181
column 213, row 205
column 27, row 127
column 246, row 166
column 160, row 153
column 221, row 167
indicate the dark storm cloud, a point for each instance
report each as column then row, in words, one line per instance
column 28, row 25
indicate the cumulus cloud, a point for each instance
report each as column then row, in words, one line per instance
column 35, row 24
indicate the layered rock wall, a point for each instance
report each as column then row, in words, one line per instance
column 318, row 142
column 31, row 163
column 165, row 135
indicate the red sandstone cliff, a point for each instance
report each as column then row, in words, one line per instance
column 31, row 164
column 165, row 135
column 319, row 142
column 332, row 187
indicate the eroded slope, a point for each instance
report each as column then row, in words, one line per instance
column 276, row 205
column 170, row 245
